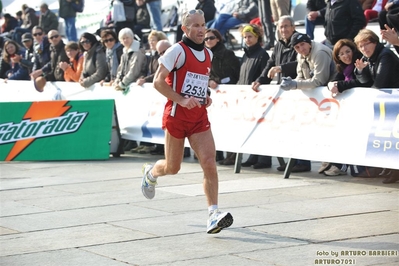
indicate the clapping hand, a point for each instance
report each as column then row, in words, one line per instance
column 288, row 84
column 390, row 35
column 360, row 64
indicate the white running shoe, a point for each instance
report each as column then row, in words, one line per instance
column 334, row 171
column 148, row 186
column 324, row 167
column 218, row 221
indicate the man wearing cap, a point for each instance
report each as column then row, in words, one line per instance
column 315, row 68
column 27, row 60
column 315, row 65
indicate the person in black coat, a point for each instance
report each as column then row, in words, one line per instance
column 283, row 60
column 225, row 66
column 253, row 62
column 343, row 20
column 314, row 16
column 42, row 48
column 283, row 64
column 379, row 64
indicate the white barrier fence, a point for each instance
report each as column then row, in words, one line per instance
column 360, row 126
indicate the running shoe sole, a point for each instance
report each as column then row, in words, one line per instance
column 224, row 222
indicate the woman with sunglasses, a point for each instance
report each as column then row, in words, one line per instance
column 113, row 53
column 225, row 67
column 72, row 70
column 42, row 48
column 10, row 66
column 94, row 62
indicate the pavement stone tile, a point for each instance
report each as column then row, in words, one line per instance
column 66, row 257
column 72, row 237
column 94, row 213
column 337, row 228
column 76, row 217
column 166, row 250
column 323, row 207
column 8, row 208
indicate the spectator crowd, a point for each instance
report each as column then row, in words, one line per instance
column 121, row 53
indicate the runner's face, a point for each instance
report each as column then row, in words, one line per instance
column 195, row 30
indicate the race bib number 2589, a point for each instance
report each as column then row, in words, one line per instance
column 195, row 85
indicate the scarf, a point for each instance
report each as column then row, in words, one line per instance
column 191, row 44
column 348, row 72
column 112, row 60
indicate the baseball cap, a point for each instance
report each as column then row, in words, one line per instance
column 298, row 37
column 27, row 37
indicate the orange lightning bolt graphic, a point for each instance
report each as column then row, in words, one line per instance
column 38, row 111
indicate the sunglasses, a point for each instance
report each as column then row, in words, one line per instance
column 210, row 38
column 55, row 36
column 161, row 53
column 108, row 40
column 37, row 34
column 199, row 11
column 85, row 42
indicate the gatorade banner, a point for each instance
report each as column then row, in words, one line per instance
column 55, row 130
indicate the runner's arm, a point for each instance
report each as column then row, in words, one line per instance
column 161, row 86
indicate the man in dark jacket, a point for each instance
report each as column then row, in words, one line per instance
column 343, row 19
column 283, row 60
column 69, row 15
column 51, row 70
column 283, row 64
column 29, row 21
column 314, row 16
column 28, row 58
column 47, row 20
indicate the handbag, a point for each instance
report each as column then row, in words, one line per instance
column 118, row 11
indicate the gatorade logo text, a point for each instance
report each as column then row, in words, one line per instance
column 28, row 129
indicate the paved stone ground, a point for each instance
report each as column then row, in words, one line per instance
column 93, row 213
